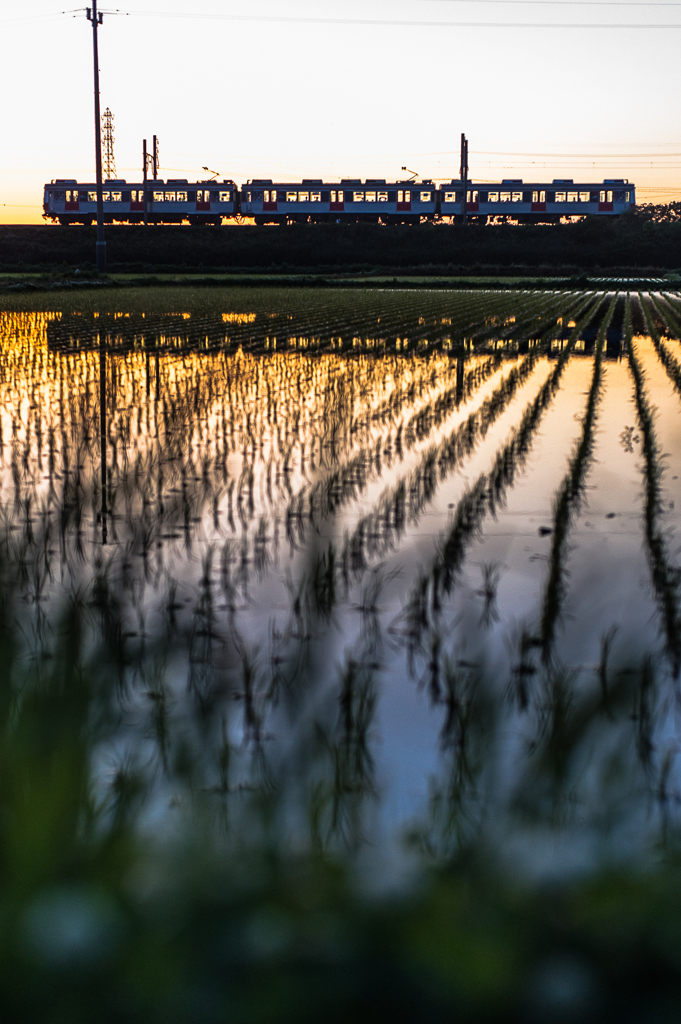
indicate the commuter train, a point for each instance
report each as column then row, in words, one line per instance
column 264, row 201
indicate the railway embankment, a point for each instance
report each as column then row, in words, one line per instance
column 628, row 245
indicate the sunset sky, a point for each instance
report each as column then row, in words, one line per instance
column 319, row 88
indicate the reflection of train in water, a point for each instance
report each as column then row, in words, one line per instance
column 373, row 200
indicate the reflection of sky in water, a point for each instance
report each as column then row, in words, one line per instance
column 260, row 436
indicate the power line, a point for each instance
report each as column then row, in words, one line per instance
column 388, row 22
column 394, row 22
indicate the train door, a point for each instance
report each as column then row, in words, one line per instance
column 539, row 202
column 71, row 205
column 336, row 203
column 403, row 201
column 269, row 201
column 605, row 204
column 472, row 204
column 203, row 201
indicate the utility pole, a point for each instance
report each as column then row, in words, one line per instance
column 463, row 173
column 155, row 158
column 145, row 167
column 97, row 20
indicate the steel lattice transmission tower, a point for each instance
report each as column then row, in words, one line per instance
column 108, row 139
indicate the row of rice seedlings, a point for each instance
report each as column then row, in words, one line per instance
column 331, row 493
column 380, row 530
column 568, row 501
column 669, row 314
column 323, row 579
column 646, row 310
column 481, row 499
column 664, row 575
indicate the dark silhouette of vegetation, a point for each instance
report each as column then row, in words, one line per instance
column 647, row 239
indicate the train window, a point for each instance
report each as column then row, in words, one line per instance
column 303, row 197
column 370, row 197
column 450, row 197
column 68, row 196
column 333, row 196
column 560, row 197
column 516, row 197
column 584, row 197
column 424, row 197
column 315, row 197
column 383, row 197
column 471, row 197
column 291, row 197
column 539, row 197
column 170, row 197
column 225, row 197
column 158, row 197
column 504, row 197
column 59, row 197
column 619, row 197
column 182, row 197
column 126, row 197
column 573, row 197
column 358, row 197
column 92, row 197
column 492, row 197
column 266, row 196
column 627, row 197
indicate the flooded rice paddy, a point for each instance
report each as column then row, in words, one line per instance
column 403, row 550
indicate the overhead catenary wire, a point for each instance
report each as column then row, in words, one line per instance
column 391, row 22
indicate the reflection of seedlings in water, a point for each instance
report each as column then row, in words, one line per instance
column 607, row 642
column 338, row 805
column 523, row 645
column 628, row 439
column 567, row 505
column 485, row 496
column 644, row 696
column 261, row 556
column 369, row 609
column 560, row 726
column 666, row 797
column 665, row 577
column 491, row 577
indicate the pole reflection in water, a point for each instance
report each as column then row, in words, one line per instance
column 342, row 511
column 102, row 432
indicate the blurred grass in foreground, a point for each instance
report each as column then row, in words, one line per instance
column 108, row 914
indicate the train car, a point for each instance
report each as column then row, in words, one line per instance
column 313, row 200
column 514, row 199
column 171, row 202
column 373, row 200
